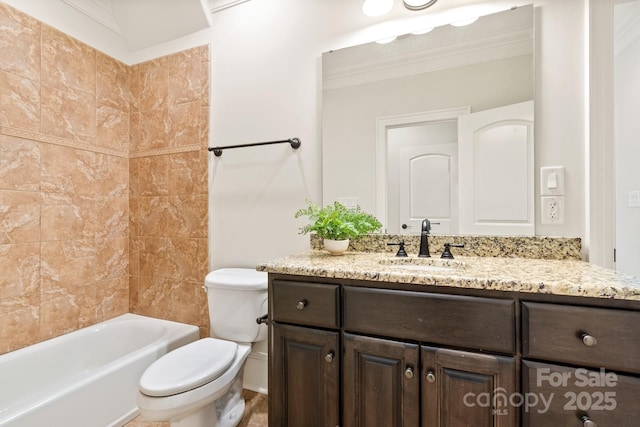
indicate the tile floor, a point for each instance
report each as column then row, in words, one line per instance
column 255, row 414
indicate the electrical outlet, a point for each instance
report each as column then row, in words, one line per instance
column 552, row 210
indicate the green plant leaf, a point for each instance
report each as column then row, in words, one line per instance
column 337, row 222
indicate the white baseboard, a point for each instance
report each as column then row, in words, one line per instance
column 256, row 372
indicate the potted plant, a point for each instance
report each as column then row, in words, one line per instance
column 337, row 224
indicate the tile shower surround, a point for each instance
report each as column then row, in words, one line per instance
column 103, row 184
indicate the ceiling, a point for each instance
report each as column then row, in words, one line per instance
column 145, row 23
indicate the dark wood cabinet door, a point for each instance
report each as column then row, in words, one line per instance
column 579, row 397
column 304, row 377
column 380, row 383
column 463, row 389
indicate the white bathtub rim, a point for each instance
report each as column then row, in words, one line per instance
column 86, row 377
column 81, row 378
column 68, row 336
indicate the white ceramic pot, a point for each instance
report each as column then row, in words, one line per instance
column 336, row 247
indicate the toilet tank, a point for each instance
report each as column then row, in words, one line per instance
column 236, row 298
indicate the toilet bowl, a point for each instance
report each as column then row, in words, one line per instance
column 200, row 384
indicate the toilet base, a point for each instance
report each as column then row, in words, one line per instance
column 227, row 411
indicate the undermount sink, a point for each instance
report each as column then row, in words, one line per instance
column 423, row 264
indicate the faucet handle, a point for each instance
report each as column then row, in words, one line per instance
column 401, row 251
column 447, row 249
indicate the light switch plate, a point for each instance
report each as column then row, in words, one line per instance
column 546, row 175
column 633, row 199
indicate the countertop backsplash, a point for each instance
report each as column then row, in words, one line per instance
column 535, row 247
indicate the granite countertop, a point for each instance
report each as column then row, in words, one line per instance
column 557, row 277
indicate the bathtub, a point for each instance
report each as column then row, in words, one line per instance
column 87, row 378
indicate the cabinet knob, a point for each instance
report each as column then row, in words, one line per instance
column 301, row 304
column 587, row 422
column 329, row 357
column 589, row 340
column 431, row 378
column 408, row 372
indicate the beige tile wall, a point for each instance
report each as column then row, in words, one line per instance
column 168, row 203
column 102, row 184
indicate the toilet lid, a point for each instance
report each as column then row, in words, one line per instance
column 188, row 367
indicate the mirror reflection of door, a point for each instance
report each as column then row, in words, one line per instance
column 423, row 177
column 496, row 156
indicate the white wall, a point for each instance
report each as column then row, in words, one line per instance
column 627, row 129
column 560, row 129
column 264, row 87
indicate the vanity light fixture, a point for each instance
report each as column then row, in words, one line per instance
column 418, row 4
column 376, row 7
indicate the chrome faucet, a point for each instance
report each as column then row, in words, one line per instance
column 424, row 239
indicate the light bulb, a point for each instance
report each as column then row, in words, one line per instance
column 376, row 7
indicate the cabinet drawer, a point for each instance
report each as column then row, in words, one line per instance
column 595, row 337
column 313, row 304
column 467, row 322
column 563, row 396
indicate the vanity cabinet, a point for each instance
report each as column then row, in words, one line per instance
column 442, row 385
column 304, row 354
column 598, row 344
column 358, row 353
column 387, row 349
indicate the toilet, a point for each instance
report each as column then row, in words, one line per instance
column 200, row 384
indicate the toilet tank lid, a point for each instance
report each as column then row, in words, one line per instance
column 237, row 278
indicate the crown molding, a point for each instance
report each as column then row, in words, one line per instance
column 98, row 10
column 492, row 47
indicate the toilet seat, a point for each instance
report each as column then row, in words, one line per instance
column 188, row 367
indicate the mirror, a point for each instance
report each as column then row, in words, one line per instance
column 417, row 84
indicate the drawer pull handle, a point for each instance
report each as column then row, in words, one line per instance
column 301, row 304
column 329, row 357
column 431, row 378
column 589, row 340
column 587, row 422
column 408, row 372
